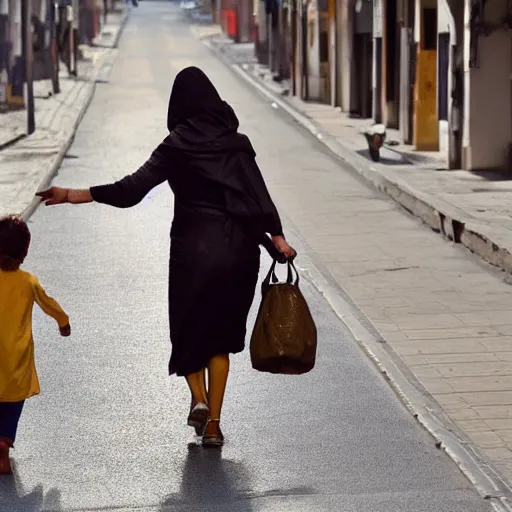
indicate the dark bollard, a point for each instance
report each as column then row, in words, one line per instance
column 375, row 138
column 28, row 61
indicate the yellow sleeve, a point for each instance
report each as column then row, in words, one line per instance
column 50, row 306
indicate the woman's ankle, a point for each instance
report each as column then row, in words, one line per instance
column 213, row 425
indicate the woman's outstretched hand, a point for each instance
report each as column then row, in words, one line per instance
column 283, row 246
column 54, row 195
column 58, row 195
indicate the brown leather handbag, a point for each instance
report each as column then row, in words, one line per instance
column 284, row 338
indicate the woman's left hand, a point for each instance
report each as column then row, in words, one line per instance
column 58, row 195
column 283, row 246
column 54, row 195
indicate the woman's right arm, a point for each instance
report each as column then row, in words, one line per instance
column 58, row 195
column 265, row 218
column 124, row 193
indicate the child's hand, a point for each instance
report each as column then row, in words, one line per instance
column 65, row 331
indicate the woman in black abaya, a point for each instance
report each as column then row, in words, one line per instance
column 222, row 213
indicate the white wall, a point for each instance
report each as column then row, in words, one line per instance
column 314, row 51
column 489, row 120
column 377, row 33
column 15, row 9
column 488, row 105
column 345, row 33
column 446, row 23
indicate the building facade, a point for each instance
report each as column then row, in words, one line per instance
column 439, row 71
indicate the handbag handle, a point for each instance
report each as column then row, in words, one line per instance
column 272, row 275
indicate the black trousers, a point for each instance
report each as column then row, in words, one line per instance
column 10, row 413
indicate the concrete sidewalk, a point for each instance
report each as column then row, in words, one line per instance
column 470, row 208
column 27, row 163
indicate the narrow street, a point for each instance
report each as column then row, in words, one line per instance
column 108, row 431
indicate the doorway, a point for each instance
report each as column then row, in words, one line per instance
column 426, row 125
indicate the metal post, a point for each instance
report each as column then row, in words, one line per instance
column 28, row 61
column 4, row 53
column 71, row 41
column 74, row 28
column 53, row 47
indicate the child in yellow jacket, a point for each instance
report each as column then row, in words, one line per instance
column 19, row 291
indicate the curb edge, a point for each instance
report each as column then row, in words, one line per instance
column 14, row 140
column 124, row 21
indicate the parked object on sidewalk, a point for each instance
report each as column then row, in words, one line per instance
column 375, row 137
column 284, row 339
column 19, row 291
column 67, row 35
column 187, row 5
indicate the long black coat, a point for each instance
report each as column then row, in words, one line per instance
column 221, row 214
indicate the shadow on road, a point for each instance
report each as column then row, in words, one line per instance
column 14, row 497
column 210, row 482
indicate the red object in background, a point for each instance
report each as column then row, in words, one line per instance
column 229, row 22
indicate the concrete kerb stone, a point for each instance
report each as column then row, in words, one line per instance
column 55, row 166
column 12, row 140
column 124, row 20
column 441, row 216
column 502, row 505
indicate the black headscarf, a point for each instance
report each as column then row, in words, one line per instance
column 204, row 130
column 197, row 115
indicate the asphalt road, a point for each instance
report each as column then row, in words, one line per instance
column 108, row 431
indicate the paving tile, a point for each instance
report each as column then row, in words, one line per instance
column 506, row 330
column 451, row 401
column 500, row 424
column 414, row 360
column 462, row 358
column 407, row 346
column 424, row 321
column 475, row 318
column 457, row 413
column 481, row 384
column 505, row 436
column 486, row 439
column 436, row 386
column 488, row 398
column 498, row 454
column 488, row 412
column 425, row 371
column 504, row 468
column 474, row 369
column 475, row 425
column 386, row 326
column 497, row 344
column 456, row 333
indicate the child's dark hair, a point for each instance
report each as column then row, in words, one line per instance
column 14, row 242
